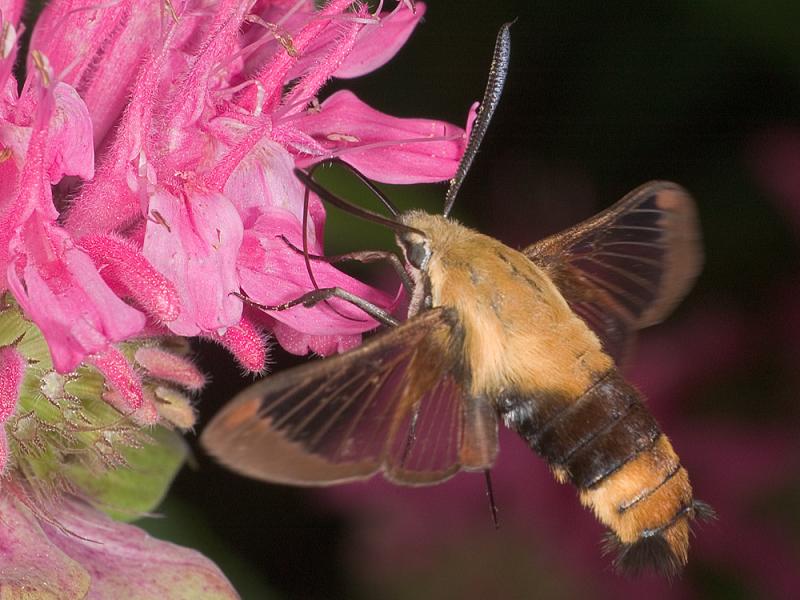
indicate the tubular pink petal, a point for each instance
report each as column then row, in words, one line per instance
column 325, row 66
column 119, row 374
column 274, row 73
column 12, row 371
column 129, row 273
column 59, row 288
column 194, row 241
column 384, row 148
column 246, row 343
column 378, row 43
column 98, row 48
column 170, row 367
column 8, row 56
column 113, row 199
column 33, row 191
column 190, row 95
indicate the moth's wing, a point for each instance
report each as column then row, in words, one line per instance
column 627, row 267
column 428, row 450
column 343, row 418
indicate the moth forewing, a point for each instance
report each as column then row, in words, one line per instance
column 350, row 416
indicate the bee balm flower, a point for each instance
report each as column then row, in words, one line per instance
column 146, row 178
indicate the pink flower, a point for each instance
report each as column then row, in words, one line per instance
column 146, row 178
column 180, row 132
column 12, row 370
column 196, row 195
column 74, row 552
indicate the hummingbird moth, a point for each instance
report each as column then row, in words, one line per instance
column 528, row 338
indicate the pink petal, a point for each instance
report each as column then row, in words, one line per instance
column 81, row 553
column 60, row 290
column 275, row 72
column 384, row 148
column 264, row 180
column 170, row 367
column 247, row 344
column 69, row 137
column 191, row 94
column 194, row 241
column 128, row 273
column 327, row 64
column 126, row 175
column 103, row 47
column 125, row 562
column 8, row 56
column 272, row 273
column 12, row 10
column 122, row 379
column 378, row 43
column 301, row 344
column 12, row 370
column 30, row 562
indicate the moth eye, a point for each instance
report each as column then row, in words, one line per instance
column 417, row 254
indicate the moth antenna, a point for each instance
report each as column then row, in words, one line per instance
column 390, row 206
column 491, row 98
column 490, row 495
column 357, row 211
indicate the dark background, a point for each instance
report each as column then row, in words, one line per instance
column 601, row 97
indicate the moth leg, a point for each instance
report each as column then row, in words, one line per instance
column 490, row 496
column 412, row 434
column 314, row 297
column 365, row 256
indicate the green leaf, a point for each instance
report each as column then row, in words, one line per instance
column 127, row 492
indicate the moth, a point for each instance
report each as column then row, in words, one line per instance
column 528, row 338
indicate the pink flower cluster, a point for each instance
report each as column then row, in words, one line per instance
column 146, row 169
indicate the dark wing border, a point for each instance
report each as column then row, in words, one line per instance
column 629, row 266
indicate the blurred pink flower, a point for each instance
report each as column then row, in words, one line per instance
column 403, row 533
column 775, row 158
column 74, row 552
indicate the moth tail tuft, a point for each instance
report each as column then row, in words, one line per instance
column 653, row 552
column 703, row 511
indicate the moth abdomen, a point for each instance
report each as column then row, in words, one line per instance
column 611, row 448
